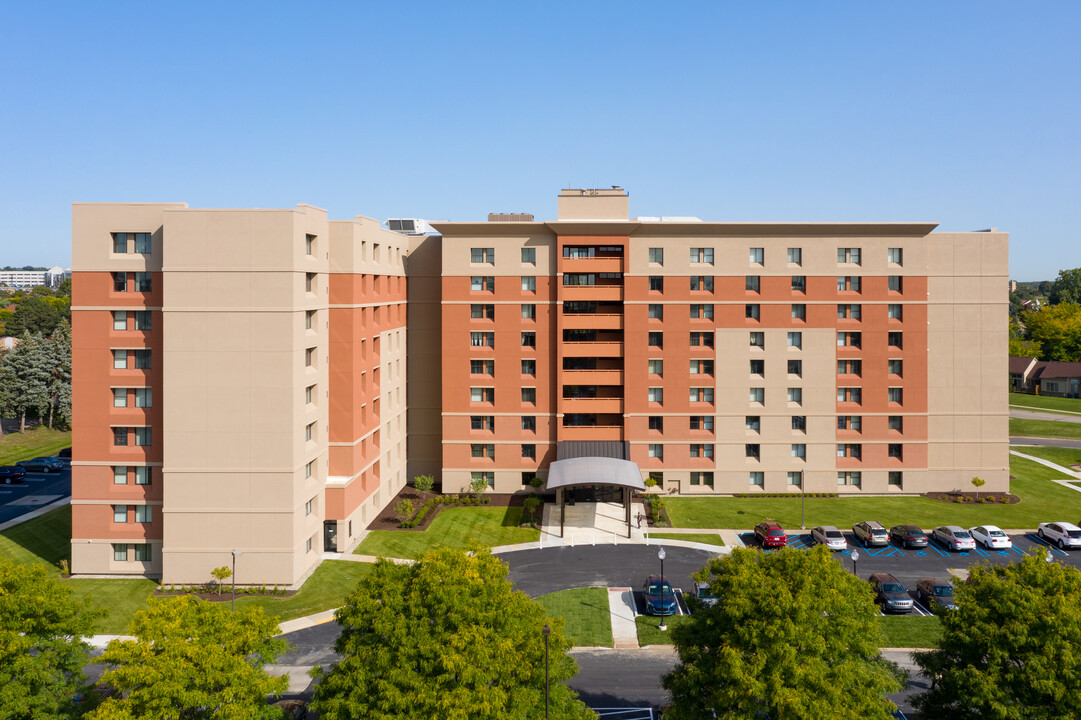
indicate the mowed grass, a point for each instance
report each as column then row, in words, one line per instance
column 585, row 612
column 31, row 444
column 1020, row 427
column 649, row 632
column 705, row 538
column 454, row 528
column 1039, row 402
column 910, row 631
column 326, row 589
column 1060, row 456
column 1040, row 501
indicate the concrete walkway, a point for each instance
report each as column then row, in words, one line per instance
column 1057, row 468
column 624, row 628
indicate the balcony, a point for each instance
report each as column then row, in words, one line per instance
column 591, row 265
column 599, row 293
column 590, row 432
column 597, row 349
column 588, row 321
column 591, row 405
column 593, row 377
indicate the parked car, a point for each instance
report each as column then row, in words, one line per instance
column 935, row 592
column 954, row 537
column 703, row 593
column 12, row 474
column 908, row 536
column 829, row 536
column 660, row 600
column 991, row 537
column 1063, row 534
column 891, row 593
column 64, row 453
column 871, row 533
column 42, row 464
column 293, row 709
column 770, row 534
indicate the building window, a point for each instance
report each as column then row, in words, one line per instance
column 141, row 358
column 896, row 422
column 120, row 243
column 529, row 423
column 529, row 395
column 309, row 432
column 855, row 479
column 529, row 311
column 753, row 423
column 895, row 478
column 482, row 394
column 120, row 397
column 795, row 367
column 482, row 255
column 656, row 256
column 142, row 475
column 120, row 513
column 893, row 339
column 309, row 319
column 848, row 312
column 752, row 283
column 895, row 451
column 529, row 367
column 142, row 282
column 309, row 282
column 120, row 475
column 656, row 312
column 487, row 477
column 702, row 255
column 849, row 339
column 848, row 283
column 482, row 422
column 702, row 283
column 795, row 395
column 702, row 367
column 309, row 394
column 656, row 339
column 758, row 367
column 120, row 320
column 795, row 256
column 482, row 283
column 795, row 339
column 894, row 255
column 656, row 283
column 143, row 397
column 799, row 423
column 799, row 283
column 308, row 545
column 656, row 422
column 894, row 283
column 482, row 450
column 309, row 469
column 850, row 256
column 894, row 312
column 142, row 437
column 757, row 255
column 482, row 367
column 757, row 395
column 895, row 395
column 701, row 312
column 753, row 451
column 309, row 245
column 752, row 311
column 120, row 437
column 529, row 283
column 656, row 367
column 758, row 339
column 120, row 282
column 795, row 478
column 703, row 339
column 656, row 395
column 529, row 339
column 529, row 256
column 482, row 339
column 850, row 450
column 479, row 311
column 849, row 422
column 850, row 367
column 700, row 394
column 850, row 394
column 529, row 451
column 701, row 450
column 656, row 450
column 894, row 367
column 142, row 552
column 799, row 451
column 702, row 422
column 143, row 513
column 757, row 478
column 120, row 552
column 120, row 359
column 799, row 311
column 702, row 478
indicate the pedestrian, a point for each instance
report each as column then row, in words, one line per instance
column 639, row 519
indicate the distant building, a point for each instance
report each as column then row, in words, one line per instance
column 21, row 279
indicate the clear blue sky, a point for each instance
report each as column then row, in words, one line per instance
column 966, row 113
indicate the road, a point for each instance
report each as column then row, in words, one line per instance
column 36, row 490
column 1037, row 415
column 1047, row 442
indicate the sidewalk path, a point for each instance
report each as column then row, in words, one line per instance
column 624, row 628
column 1053, row 466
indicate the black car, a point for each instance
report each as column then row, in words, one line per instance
column 935, row 592
column 891, row 593
column 660, row 600
column 42, row 464
column 909, row 536
column 11, row 474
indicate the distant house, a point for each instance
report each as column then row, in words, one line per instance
column 1045, row 377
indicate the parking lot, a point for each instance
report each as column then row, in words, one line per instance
column 36, row 490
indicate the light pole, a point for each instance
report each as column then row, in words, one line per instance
column 660, row 554
column 546, row 631
column 232, row 602
column 855, row 558
column 802, row 501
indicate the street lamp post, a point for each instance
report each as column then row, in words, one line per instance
column 660, row 554
column 802, row 501
column 546, row 631
column 855, row 558
column 232, row 602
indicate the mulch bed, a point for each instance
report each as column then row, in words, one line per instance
column 386, row 519
column 225, row 596
column 969, row 498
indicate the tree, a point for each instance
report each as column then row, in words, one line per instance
column 531, row 504
column 34, row 314
column 478, row 485
column 424, row 483
column 1010, row 649
column 221, row 574
column 193, row 659
column 447, row 637
column 1057, row 328
column 42, row 652
column 978, row 482
column 58, row 351
column 1067, row 287
column 25, row 372
column 793, row 636
column 404, row 510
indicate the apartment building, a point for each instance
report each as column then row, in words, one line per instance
column 856, row 358
column 238, row 385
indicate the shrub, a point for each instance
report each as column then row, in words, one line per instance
column 404, row 510
column 424, row 483
column 65, row 569
column 650, row 482
column 536, row 482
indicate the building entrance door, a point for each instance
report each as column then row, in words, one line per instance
column 596, row 493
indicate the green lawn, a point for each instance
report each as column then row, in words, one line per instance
column 324, row 590
column 31, row 444
column 585, row 612
column 1039, row 402
column 454, row 528
column 1060, row 456
column 648, row 634
column 1039, row 501
column 910, row 631
column 706, row 538
column 1045, row 428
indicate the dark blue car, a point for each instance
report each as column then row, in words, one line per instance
column 660, row 600
column 11, row 474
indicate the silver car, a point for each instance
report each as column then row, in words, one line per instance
column 1063, row 534
column 954, row 537
column 871, row 533
column 829, row 536
column 703, row 593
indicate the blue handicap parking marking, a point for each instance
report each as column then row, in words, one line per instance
column 940, row 551
column 921, row 553
column 1040, row 541
column 980, row 551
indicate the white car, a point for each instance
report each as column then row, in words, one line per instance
column 1063, row 534
column 954, row 537
column 991, row 537
column 829, row 536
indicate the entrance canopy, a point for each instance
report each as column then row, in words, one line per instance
column 594, row 471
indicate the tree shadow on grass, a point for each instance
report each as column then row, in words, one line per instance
column 512, row 517
column 43, row 539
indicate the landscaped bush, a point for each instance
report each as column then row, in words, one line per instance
column 794, row 496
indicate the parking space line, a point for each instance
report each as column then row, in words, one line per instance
column 1040, row 541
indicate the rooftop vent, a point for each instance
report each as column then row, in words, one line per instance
column 510, row 217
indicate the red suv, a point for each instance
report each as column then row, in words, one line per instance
column 770, row 534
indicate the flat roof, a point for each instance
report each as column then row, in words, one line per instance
column 693, row 228
column 594, row 471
